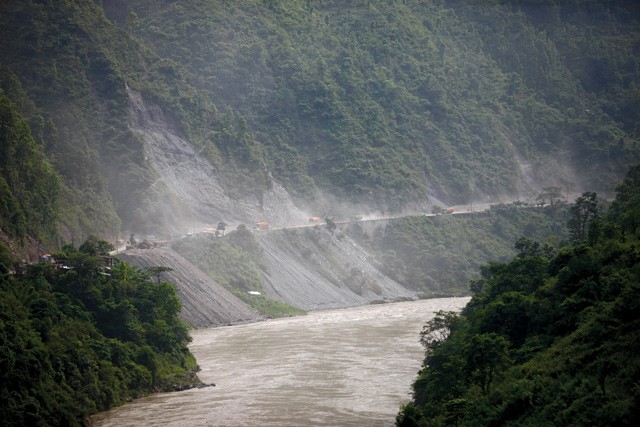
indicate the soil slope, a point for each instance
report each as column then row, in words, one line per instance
column 313, row 269
column 205, row 303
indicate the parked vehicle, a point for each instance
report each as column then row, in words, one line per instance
column 262, row 225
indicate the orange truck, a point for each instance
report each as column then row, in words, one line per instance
column 262, row 225
column 450, row 210
column 314, row 219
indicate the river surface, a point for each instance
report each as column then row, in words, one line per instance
column 348, row 367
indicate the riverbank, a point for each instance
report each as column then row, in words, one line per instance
column 343, row 367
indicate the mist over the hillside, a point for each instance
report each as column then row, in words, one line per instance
column 159, row 116
column 187, row 187
column 261, row 158
column 343, row 150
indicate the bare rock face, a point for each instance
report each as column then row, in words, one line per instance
column 205, row 303
column 189, row 180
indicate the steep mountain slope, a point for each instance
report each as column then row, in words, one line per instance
column 204, row 302
column 390, row 102
column 192, row 186
column 67, row 68
column 313, row 269
column 379, row 104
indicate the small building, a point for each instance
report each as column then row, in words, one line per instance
column 47, row 258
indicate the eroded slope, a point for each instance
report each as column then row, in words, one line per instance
column 313, row 269
column 205, row 303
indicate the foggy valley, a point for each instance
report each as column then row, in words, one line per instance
column 306, row 185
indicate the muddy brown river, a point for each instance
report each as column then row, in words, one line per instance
column 348, row 367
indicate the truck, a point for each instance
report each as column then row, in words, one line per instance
column 262, row 225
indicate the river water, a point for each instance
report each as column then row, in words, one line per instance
column 348, row 367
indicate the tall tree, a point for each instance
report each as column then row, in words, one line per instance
column 581, row 213
column 95, row 246
column 487, row 355
column 626, row 207
column 551, row 194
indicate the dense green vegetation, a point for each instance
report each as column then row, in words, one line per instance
column 380, row 102
column 385, row 101
column 439, row 255
column 66, row 68
column 29, row 186
column 547, row 339
column 235, row 261
column 64, row 82
column 78, row 340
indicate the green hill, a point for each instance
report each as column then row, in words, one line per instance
column 546, row 339
column 384, row 105
column 385, row 102
column 77, row 338
column 372, row 102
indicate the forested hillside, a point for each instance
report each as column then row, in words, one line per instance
column 439, row 255
column 547, row 339
column 379, row 104
column 77, row 337
column 386, row 102
column 29, row 186
column 120, row 117
column 66, row 68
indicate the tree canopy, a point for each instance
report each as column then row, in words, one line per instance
column 78, row 338
column 547, row 339
column 378, row 102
